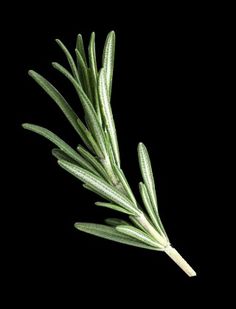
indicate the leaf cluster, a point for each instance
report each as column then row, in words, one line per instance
column 96, row 163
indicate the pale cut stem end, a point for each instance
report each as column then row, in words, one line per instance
column 180, row 261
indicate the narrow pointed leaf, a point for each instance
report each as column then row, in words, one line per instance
column 87, row 106
column 114, row 207
column 95, row 146
column 109, row 148
column 94, row 190
column 95, row 100
column 88, row 139
column 80, row 47
column 111, row 193
column 110, row 233
column 58, row 99
column 94, row 74
column 70, row 60
column 149, row 208
column 137, row 234
column 146, row 170
column 61, row 155
column 92, row 56
column 86, row 136
column 125, row 184
column 115, row 222
column 137, row 223
column 59, row 143
column 94, row 162
column 108, row 60
column 107, row 115
column 85, row 74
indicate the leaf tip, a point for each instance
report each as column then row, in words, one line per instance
column 58, row 41
column 78, row 53
column 24, row 125
column 79, row 38
column 31, row 73
column 78, row 147
column 140, row 146
column 61, row 162
column 54, row 150
column 141, row 184
column 78, row 226
column 54, row 64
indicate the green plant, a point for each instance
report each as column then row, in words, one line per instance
column 98, row 165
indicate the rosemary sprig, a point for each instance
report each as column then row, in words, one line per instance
column 98, row 165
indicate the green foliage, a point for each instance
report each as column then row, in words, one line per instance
column 111, row 233
column 97, row 163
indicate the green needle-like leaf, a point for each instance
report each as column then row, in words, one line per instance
column 61, row 155
column 110, row 233
column 115, row 222
column 61, row 144
column 58, row 98
column 146, row 170
column 100, row 186
column 107, row 115
column 137, row 223
column 92, row 57
column 95, row 146
column 94, row 74
column 125, row 184
column 108, row 60
column 148, row 205
column 138, row 235
column 70, row 60
column 84, row 75
column 94, row 162
column 80, row 47
column 114, row 207
column 87, row 138
column 109, row 148
column 88, row 108
column 94, row 190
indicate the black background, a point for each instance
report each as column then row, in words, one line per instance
column 165, row 94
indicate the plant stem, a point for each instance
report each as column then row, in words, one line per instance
column 152, row 231
column 142, row 219
column 180, row 261
column 169, row 250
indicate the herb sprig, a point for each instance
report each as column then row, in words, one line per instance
column 97, row 163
